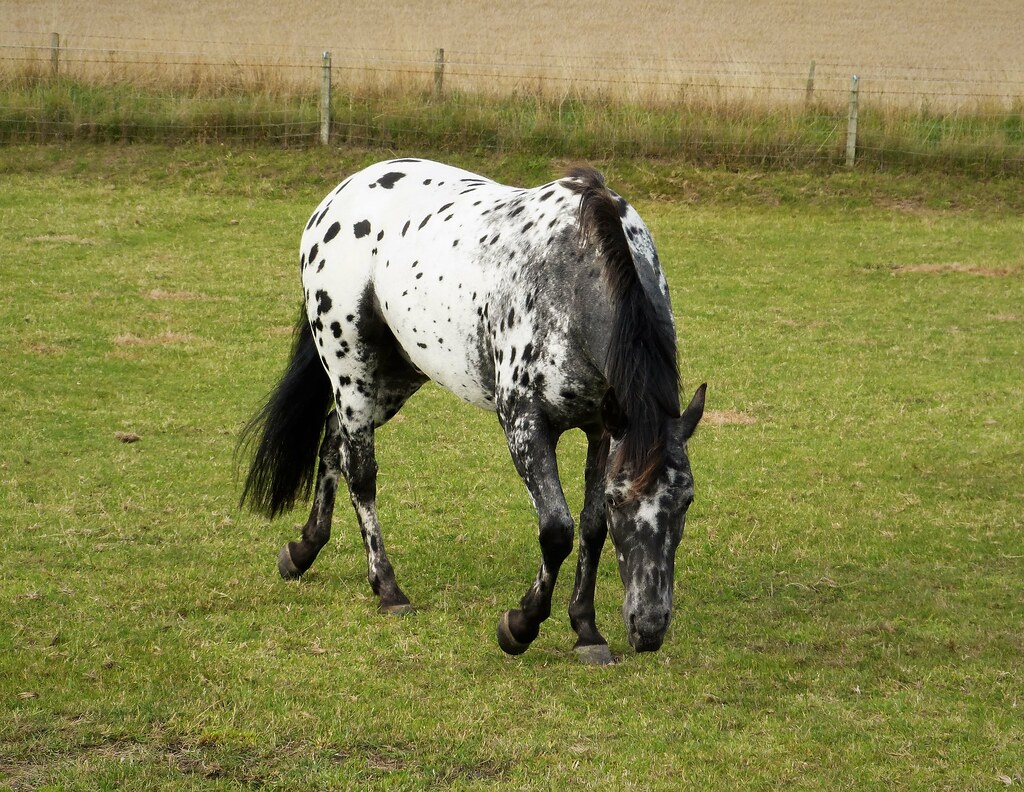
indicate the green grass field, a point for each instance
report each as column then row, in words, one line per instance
column 848, row 596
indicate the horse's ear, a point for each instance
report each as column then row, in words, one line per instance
column 612, row 415
column 693, row 413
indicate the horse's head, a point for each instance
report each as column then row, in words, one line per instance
column 646, row 524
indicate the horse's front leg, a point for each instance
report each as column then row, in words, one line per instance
column 591, row 646
column 533, row 451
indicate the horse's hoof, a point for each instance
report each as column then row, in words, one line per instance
column 286, row 566
column 401, row 609
column 595, row 654
column 508, row 644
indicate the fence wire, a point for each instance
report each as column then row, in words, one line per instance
column 773, row 113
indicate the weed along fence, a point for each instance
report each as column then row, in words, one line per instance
column 776, row 114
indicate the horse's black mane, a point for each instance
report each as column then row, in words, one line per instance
column 641, row 366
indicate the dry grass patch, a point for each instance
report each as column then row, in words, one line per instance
column 173, row 296
column 954, row 266
column 727, row 418
column 166, row 338
column 62, row 239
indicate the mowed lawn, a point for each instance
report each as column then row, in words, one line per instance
column 849, row 608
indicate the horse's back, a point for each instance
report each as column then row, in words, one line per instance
column 436, row 252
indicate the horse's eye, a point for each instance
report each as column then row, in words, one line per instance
column 614, row 500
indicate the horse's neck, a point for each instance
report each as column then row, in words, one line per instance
column 593, row 313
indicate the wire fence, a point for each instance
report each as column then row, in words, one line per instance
column 56, row 87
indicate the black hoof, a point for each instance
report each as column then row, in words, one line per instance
column 286, row 566
column 595, row 654
column 508, row 644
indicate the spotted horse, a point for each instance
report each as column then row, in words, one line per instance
column 547, row 306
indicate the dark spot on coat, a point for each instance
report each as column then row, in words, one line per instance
column 332, row 232
column 313, row 251
column 425, row 220
column 387, row 181
column 323, row 302
column 547, row 195
column 336, row 329
column 361, row 229
column 380, row 236
column 405, row 227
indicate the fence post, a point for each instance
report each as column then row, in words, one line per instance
column 851, row 124
column 810, row 84
column 54, row 53
column 325, row 101
column 439, row 73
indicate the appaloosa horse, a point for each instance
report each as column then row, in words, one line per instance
column 547, row 306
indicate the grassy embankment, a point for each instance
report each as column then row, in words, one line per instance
column 698, row 123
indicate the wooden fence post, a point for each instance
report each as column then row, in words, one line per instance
column 325, row 101
column 55, row 53
column 439, row 74
column 851, row 124
column 810, row 85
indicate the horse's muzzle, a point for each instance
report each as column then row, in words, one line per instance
column 646, row 628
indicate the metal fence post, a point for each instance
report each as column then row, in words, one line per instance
column 851, row 124
column 55, row 53
column 325, row 101
column 810, row 85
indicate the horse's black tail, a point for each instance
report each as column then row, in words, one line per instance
column 286, row 431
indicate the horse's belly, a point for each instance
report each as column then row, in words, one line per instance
column 437, row 326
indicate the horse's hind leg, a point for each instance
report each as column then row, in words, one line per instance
column 296, row 557
column 359, row 465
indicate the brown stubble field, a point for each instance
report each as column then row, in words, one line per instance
column 630, row 50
